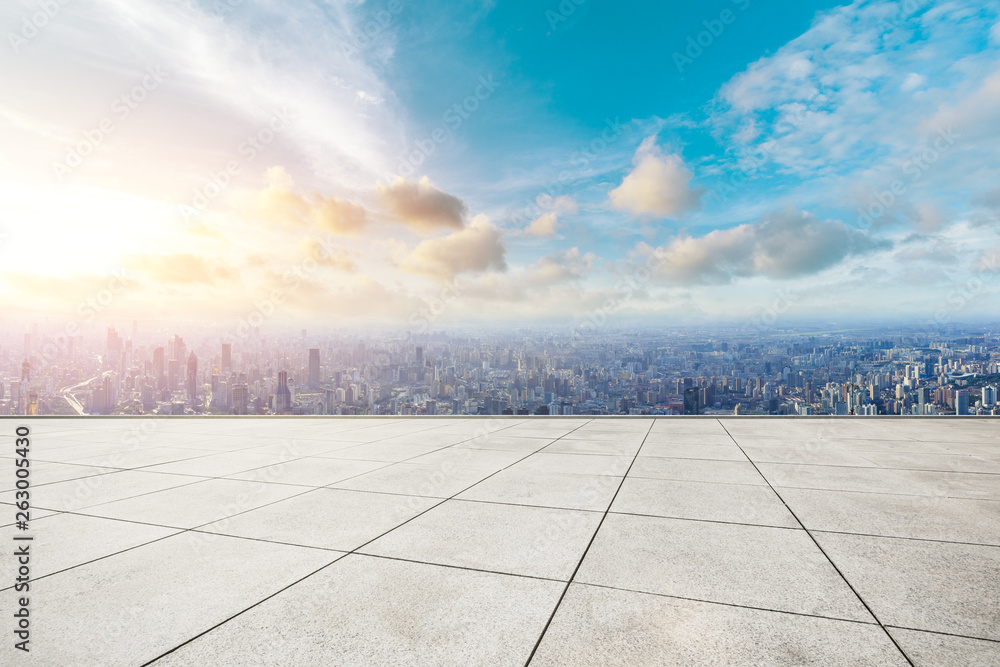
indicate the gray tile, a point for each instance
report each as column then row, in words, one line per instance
column 513, row 539
column 681, row 451
column 755, row 566
column 879, row 480
column 380, row 451
column 66, row 540
column 936, row 586
column 190, row 506
column 925, row 517
column 48, row 473
column 324, row 518
column 736, row 503
column 931, row 650
column 614, row 447
column 220, row 464
column 695, row 470
column 584, row 492
column 575, row 464
column 506, row 442
column 131, row 608
column 311, row 471
column 433, row 481
column 489, row 460
column 373, row 611
column 598, row 627
column 86, row 492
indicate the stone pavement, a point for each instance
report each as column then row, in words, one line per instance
column 506, row 541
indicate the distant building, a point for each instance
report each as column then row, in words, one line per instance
column 962, row 402
column 227, row 356
column 314, row 368
column 282, row 396
column 192, row 379
column 691, row 401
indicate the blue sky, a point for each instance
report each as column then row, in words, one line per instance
column 544, row 162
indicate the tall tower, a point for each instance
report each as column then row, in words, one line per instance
column 192, row 379
column 158, row 368
column 25, row 372
column 282, row 397
column 227, row 356
column 314, row 368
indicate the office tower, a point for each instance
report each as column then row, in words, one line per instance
column 282, row 397
column 27, row 345
column 691, row 395
column 989, row 397
column 962, row 402
column 173, row 371
column 240, row 398
column 192, row 378
column 32, row 404
column 314, row 368
column 25, row 372
column 227, row 356
column 420, row 356
column 158, row 376
column 431, row 407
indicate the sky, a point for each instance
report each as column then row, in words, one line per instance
column 426, row 164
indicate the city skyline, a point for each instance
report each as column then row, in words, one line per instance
column 588, row 371
column 519, row 163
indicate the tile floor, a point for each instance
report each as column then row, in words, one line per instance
column 508, row 541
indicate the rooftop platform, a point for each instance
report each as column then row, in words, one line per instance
column 507, row 541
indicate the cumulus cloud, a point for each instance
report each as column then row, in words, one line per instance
column 280, row 204
column 658, row 185
column 475, row 249
column 422, row 206
column 783, row 244
column 547, row 224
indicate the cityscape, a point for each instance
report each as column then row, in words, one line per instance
column 613, row 371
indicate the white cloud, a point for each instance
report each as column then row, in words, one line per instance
column 547, row 224
column 422, row 206
column 783, row 244
column 475, row 249
column 658, row 185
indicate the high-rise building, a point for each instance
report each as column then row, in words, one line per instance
column 173, row 374
column 314, row 368
column 691, row 395
column 989, row 397
column 158, row 368
column 227, row 356
column 241, row 397
column 25, row 372
column 282, row 396
column 962, row 402
column 192, row 379
column 420, row 356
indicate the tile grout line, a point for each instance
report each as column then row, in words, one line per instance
column 583, row 556
column 349, row 553
column 825, row 555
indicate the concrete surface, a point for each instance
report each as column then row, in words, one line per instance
column 507, row 541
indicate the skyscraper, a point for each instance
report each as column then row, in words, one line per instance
column 227, row 356
column 192, row 378
column 282, row 397
column 962, row 402
column 240, row 398
column 314, row 368
column 158, row 368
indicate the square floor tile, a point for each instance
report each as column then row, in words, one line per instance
column 595, row 627
column 324, row 518
column 769, row 568
column 583, row 492
column 734, row 503
column 348, row 615
column 513, row 539
column 128, row 609
column 934, row 586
